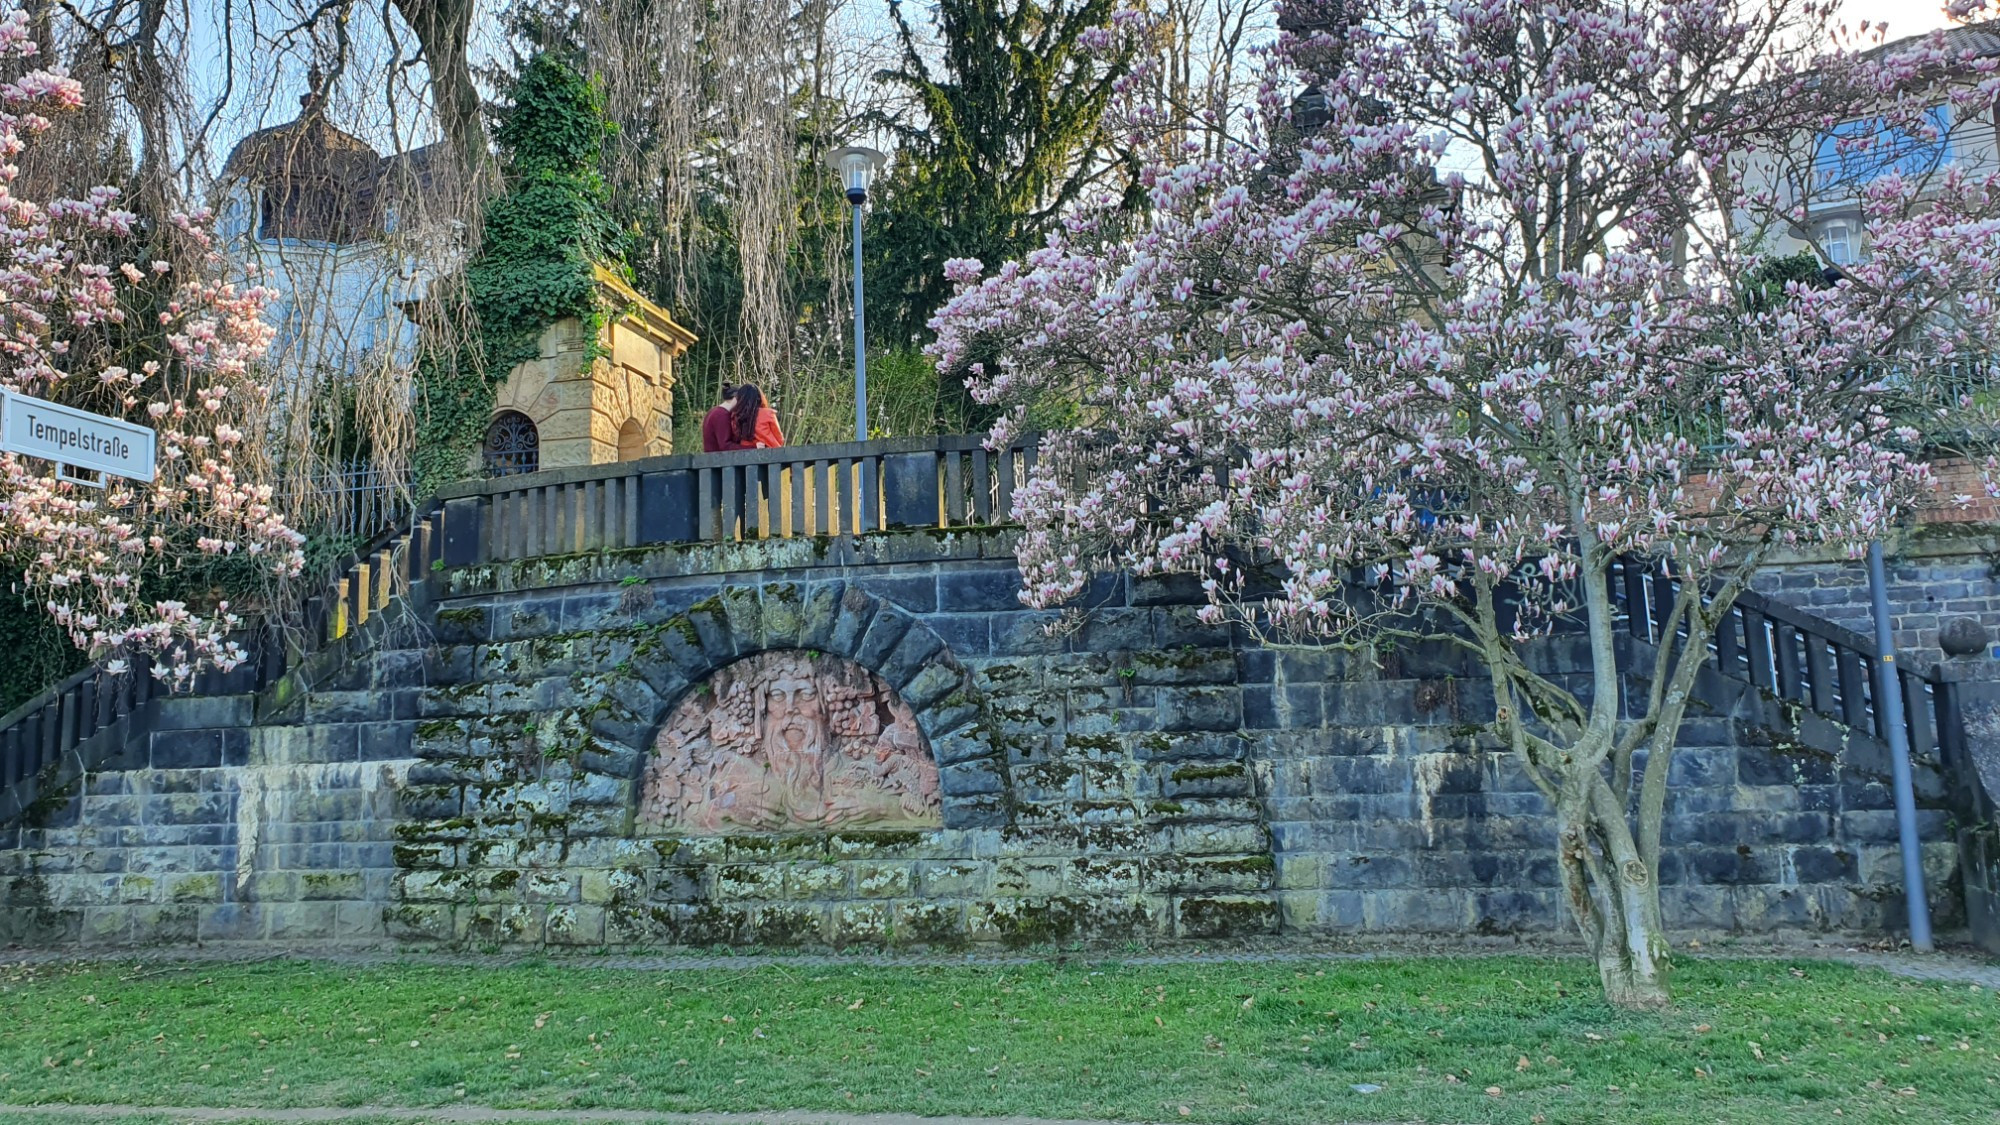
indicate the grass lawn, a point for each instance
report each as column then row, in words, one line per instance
column 1447, row 1039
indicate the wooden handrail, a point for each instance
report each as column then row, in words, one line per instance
column 53, row 738
column 841, row 488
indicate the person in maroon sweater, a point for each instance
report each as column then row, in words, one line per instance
column 718, row 426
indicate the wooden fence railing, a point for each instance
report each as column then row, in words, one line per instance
column 72, row 727
column 935, row 482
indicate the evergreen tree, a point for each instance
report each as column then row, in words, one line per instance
column 1004, row 130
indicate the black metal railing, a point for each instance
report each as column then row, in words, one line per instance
column 1796, row 657
column 356, row 503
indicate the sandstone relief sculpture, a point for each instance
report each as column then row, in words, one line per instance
column 789, row 741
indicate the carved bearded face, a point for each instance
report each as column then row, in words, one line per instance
column 794, row 716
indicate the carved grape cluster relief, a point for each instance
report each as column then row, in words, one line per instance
column 789, row 741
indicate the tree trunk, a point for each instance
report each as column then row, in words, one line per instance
column 1634, row 968
column 1613, row 895
column 444, row 29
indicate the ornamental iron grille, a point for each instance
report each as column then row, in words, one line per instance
column 512, row 445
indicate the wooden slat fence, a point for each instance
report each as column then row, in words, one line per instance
column 814, row 490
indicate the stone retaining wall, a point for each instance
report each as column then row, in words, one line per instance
column 1141, row 777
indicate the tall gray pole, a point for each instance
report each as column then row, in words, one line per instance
column 864, row 511
column 860, row 341
column 1889, row 705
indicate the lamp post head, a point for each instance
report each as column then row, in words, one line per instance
column 856, row 166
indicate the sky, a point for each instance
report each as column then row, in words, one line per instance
column 360, row 109
column 1904, row 17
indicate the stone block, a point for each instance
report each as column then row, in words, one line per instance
column 819, row 615
column 575, row 925
column 1027, row 633
column 1771, row 767
column 186, row 749
column 739, row 882
column 231, row 922
column 910, row 656
column 1199, row 708
column 549, row 886
column 1225, row 916
column 1028, row 877
column 502, row 924
column 1219, row 839
column 1086, row 875
column 106, row 925
column 1179, row 627
column 359, row 922
column 917, row 593
column 1377, row 703
column 817, row 881
column 301, row 921
column 966, row 635
column 1204, row 779
column 1113, row 630
column 935, row 925
column 202, row 712
column 205, row 886
column 970, row 778
column 982, row 812
column 885, row 631
column 882, row 880
column 1427, row 911
column 599, row 886
column 852, row 619
column 189, row 809
column 789, row 925
column 979, row 590
column 955, row 879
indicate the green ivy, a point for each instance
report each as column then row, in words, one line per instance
column 542, row 238
column 39, row 651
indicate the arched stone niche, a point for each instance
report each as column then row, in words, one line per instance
column 787, row 741
column 690, row 649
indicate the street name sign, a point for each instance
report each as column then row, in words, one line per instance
column 78, row 438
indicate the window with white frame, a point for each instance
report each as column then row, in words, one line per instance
column 1837, row 240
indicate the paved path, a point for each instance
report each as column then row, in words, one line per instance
column 477, row 1115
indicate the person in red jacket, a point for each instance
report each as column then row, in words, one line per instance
column 718, row 426
column 768, row 435
column 756, row 423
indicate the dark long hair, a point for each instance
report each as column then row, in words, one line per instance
column 749, row 400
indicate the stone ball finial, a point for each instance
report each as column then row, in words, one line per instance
column 1962, row 636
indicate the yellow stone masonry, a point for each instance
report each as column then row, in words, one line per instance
column 617, row 407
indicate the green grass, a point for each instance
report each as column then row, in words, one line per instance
column 1750, row 1041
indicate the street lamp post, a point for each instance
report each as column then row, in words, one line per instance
column 856, row 166
column 1889, row 705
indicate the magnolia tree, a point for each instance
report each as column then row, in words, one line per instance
column 1422, row 366
column 167, row 345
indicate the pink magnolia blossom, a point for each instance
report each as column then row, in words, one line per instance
column 82, row 550
column 1425, row 371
